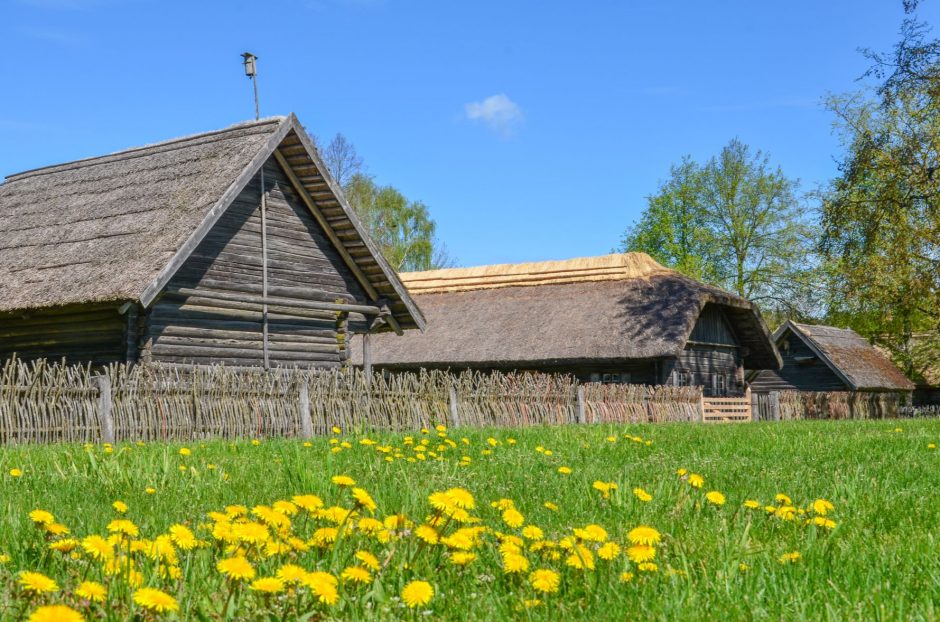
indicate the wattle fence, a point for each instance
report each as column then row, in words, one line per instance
column 44, row 402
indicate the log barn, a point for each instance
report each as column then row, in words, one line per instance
column 825, row 359
column 619, row 318
column 233, row 246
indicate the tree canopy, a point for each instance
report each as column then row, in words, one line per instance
column 881, row 215
column 402, row 228
column 734, row 221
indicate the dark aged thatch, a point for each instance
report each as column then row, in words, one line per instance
column 830, row 359
column 603, row 309
column 114, row 228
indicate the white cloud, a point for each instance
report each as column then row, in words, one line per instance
column 498, row 112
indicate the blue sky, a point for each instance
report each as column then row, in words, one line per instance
column 532, row 129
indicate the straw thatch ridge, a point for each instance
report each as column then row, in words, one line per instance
column 850, row 356
column 590, row 310
column 115, row 228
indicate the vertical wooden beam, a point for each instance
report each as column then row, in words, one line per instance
column 452, row 402
column 306, row 423
column 105, row 416
column 367, row 358
column 132, row 335
column 579, row 415
column 264, row 272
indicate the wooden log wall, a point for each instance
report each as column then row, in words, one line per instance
column 802, row 370
column 211, row 310
column 94, row 333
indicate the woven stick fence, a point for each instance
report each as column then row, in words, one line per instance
column 794, row 405
column 49, row 402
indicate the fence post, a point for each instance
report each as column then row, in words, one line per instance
column 752, row 400
column 775, row 406
column 105, row 416
column 452, row 401
column 580, row 412
column 306, row 423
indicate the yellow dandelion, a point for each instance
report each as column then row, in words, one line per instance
column 310, row 503
column 363, row 499
column 91, row 591
column 41, row 517
column 98, row 548
column 155, row 600
column 369, row 560
column 609, row 551
column 267, row 585
column 462, row 558
column 16, row 473
column 185, row 451
column 639, row 553
column 647, row 567
column 124, row 527
column 56, row 529
column 513, row 518
column 715, row 498
column 64, row 546
column 343, row 481
column 323, row 585
column 120, row 507
column 644, row 535
column 822, row 507
column 427, row 534
column 356, row 574
column 514, row 563
column 550, row 506
column 642, row 495
column 531, row 532
column 751, row 504
column 564, row 470
column 783, row 499
column 545, row 581
column 37, row 583
column 417, row 593
column 55, row 613
column 291, row 573
column 236, row 568
column 790, row 558
column 696, row 480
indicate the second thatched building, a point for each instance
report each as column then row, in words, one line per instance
column 619, row 318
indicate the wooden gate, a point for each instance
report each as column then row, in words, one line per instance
column 727, row 409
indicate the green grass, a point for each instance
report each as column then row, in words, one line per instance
column 881, row 562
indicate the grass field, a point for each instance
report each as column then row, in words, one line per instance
column 873, row 555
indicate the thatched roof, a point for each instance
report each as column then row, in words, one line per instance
column 850, row 356
column 595, row 309
column 116, row 227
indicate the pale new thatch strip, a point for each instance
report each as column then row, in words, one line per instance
column 858, row 363
column 797, row 405
column 581, row 270
column 646, row 312
column 115, row 228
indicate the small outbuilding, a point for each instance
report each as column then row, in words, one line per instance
column 828, row 359
column 233, row 246
column 619, row 318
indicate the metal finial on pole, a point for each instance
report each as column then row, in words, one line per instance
column 251, row 70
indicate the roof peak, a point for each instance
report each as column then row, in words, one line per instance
column 90, row 161
column 613, row 267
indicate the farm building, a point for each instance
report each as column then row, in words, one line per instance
column 619, row 318
column 825, row 359
column 233, row 246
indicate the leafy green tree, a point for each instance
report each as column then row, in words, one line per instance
column 735, row 222
column 403, row 229
column 881, row 216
